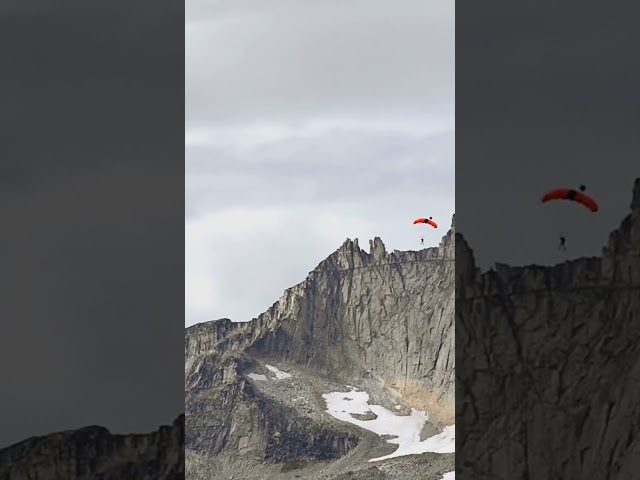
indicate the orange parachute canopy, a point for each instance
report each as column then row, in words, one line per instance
column 428, row 221
column 573, row 195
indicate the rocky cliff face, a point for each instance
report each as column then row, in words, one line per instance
column 383, row 318
column 92, row 453
column 557, row 349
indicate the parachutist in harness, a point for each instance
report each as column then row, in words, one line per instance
column 428, row 221
column 563, row 241
column 573, row 196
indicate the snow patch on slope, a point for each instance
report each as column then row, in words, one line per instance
column 280, row 375
column 406, row 429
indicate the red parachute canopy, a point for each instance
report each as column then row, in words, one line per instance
column 573, row 195
column 428, row 221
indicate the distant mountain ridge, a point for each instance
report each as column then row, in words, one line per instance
column 93, row 453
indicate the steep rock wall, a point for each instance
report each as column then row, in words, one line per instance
column 226, row 412
column 549, row 364
column 389, row 316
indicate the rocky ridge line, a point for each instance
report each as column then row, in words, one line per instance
column 380, row 321
column 93, row 453
column 386, row 314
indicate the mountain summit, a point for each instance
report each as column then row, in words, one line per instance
column 376, row 324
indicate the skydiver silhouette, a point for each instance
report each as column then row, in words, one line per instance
column 422, row 240
column 563, row 241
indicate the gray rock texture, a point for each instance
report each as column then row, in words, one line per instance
column 548, row 379
column 92, row 453
column 381, row 319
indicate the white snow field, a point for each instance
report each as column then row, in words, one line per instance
column 406, row 429
column 280, row 375
column 449, row 476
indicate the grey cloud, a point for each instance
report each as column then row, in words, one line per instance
column 100, row 44
column 321, row 170
column 68, row 79
column 80, row 339
column 546, row 97
column 321, row 58
column 92, row 179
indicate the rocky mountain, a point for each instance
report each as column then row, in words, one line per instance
column 547, row 386
column 93, row 453
column 557, row 350
column 378, row 323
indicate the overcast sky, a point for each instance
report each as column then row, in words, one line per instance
column 548, row 99
column 91, row 199
column 308, row 123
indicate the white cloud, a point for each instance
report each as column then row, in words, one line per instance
column 251, row 136
column 287, row 60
